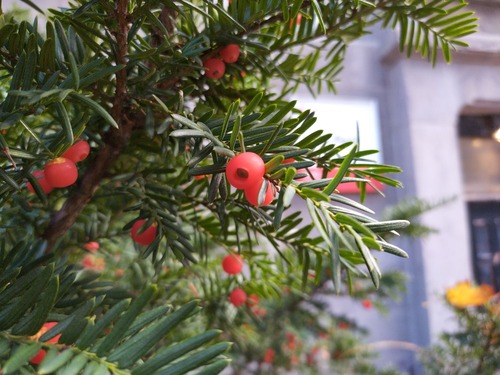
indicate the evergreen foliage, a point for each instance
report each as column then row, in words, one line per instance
column 128, row 77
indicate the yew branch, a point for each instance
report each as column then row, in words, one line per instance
column 114, row 141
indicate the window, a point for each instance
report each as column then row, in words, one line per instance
column 485, row 230
column 480, row 152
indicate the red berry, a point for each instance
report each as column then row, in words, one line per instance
column 215, row 68
column 232, row 264
column 230, row 53
column 252, row 194
column 253, row 300
column 92, row 246
column 367, row 304
column 238, row 297
column 245, row 170
column 38, row 358
column 78, row 152
column 269, row 355
column 42, row 181
column 147, row 236
column 60, row 172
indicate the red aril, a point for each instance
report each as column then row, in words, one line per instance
column 38, row 358
column 42, row 181
column 147, row 236
column 269, row 355
column 367, row 304
column 215, row 68
column 252, row 193
column 77, row 152
column 238, row 297
column 253, row 300
column 60, row 172
column 92, row 246
column 245, row 170
column 230, row 53
column 232, row 264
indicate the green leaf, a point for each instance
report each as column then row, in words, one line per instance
column 74, row 70
column 274, row 163
column 392, row 249
column 92, row 332
column 341, row 172
column 195, row 360
column 20, row 357
column 370, row 262
column 316, row 195
column 125, row 321
column 138, row 345
column 95, row 107
column 61, row 358
column 66, row 123
column 14, row 312
column 175, row 351
column 32, row 322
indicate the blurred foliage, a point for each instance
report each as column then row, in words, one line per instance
column 474, row 347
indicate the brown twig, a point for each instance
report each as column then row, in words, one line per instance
column 114, row 141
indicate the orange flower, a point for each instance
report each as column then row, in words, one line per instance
column 464, row 294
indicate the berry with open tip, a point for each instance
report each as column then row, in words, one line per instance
column 230, row 53
column 38, row 358
column 147, row 236
column 77, row 152
column 42, row 181
column 245, row 170
column 238, row 297
column 232, row 264
column 214, row 68
column 252, row 194
column 60, row 172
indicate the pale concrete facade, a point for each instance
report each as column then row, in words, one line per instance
column 419, row 111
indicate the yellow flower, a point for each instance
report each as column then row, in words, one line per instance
column 464, row 294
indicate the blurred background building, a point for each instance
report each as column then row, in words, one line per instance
column 441, row 126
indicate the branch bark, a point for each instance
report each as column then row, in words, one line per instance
column 114, row 141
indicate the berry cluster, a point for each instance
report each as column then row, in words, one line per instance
column 232, row 264
column 246, row 172
column 61, row 172
column 216, row 66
